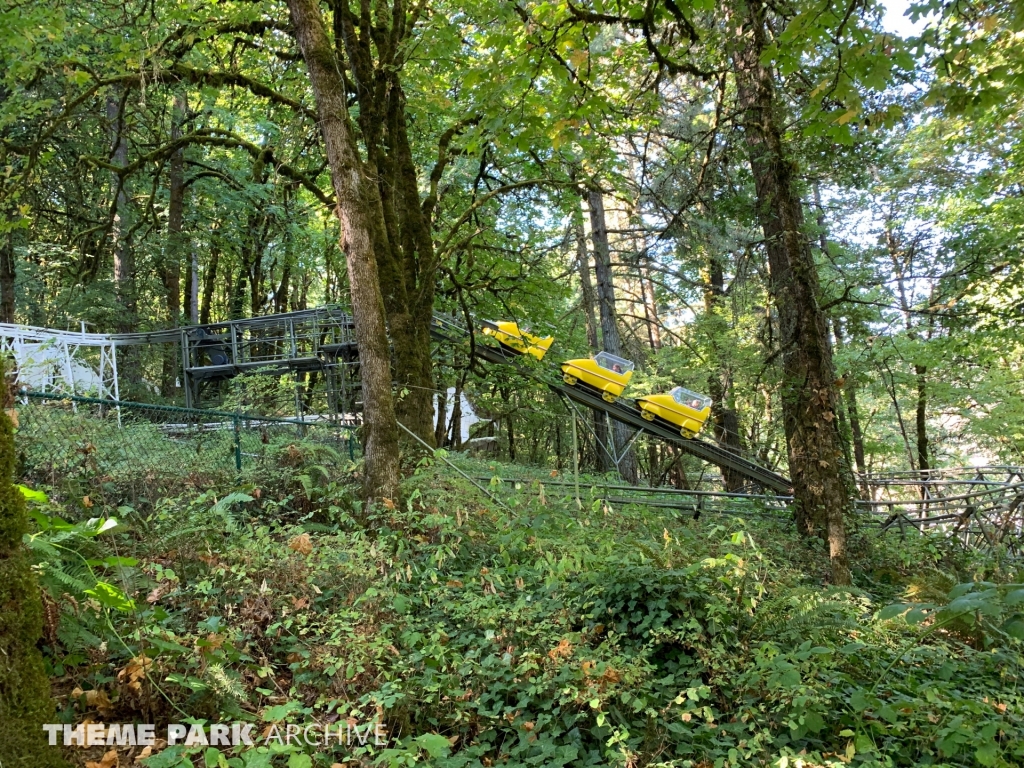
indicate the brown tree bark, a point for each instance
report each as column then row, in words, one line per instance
column 921, row 417
column 193, row 288
column 610, row 338
column 354, row 190
column 170, row 272
column 598, row 422
column 124, row 266
column 399, row 223
column 209, row 283
column 822, row 482
column 8, row 276
column 849, row 391
column 650, row 308
column 726, row 420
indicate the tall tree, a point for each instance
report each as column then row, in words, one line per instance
column 610, row 339
column 822, row 482
column 356, row 193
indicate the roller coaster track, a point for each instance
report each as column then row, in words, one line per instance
column 982, row 507
column 446, row 329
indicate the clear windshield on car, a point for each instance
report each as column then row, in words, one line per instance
column 613, row 363
column 691, row 399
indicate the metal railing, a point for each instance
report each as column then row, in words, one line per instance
column 87, row 442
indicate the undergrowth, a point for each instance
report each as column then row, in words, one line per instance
column 524, row 630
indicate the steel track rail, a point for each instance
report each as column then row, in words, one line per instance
column 445, row 329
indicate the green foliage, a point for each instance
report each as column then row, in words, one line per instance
column 546, row 634
column 25, row 702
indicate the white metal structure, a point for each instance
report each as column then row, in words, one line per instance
column 65, row 362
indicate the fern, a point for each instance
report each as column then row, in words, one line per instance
column 806, row 613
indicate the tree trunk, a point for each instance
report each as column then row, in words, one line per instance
column 849, row 392
column 399, row 224
column 124, row 267
column 599, row 424
column 822, row 483
column 379, row 423
column 650, row 308
column 7, row 277
column 209, row 282
column 441, row 421
column 923, row 462
column 193, row 288
column 609, row 325
column 170, row 273
column 25, row 703
column 726, row 420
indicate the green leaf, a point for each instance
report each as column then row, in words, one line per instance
column 279, row 712
column 301, row 761
column 433, row 744
column 987, row 754
column 1015, row 628
column 36, row 497
column 892, row 611
column 917, row 615
column 168, row 758
column 859, row 701
column 258, row 758
column 111, row 596
column 1015, row 597
column 814, row 722
column 960, row 589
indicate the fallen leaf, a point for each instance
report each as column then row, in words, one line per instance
column 87, row 502
column 159, row 591
column 302, row 544
column 134, row 672
column 298, row 603
column 215, row 640
column 99, row 700
column 528, row 726
column 562, row 651
column 388, row 503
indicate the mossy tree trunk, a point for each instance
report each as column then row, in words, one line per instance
column 822, row 481
column 25, row 702
column 358, row 212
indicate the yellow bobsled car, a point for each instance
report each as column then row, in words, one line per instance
column 517, row 341
column 680, row 407
column 604, row 372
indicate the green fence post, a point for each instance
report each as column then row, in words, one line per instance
column 238, row 444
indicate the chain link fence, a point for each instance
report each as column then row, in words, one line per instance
column 83, row 445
